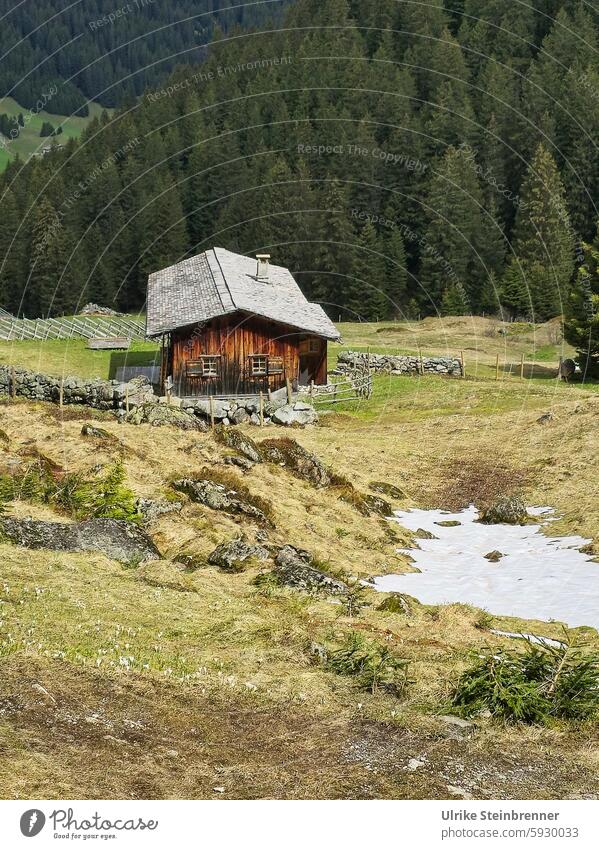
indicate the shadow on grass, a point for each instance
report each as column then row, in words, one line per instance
column 531, row 371
column 119, row 359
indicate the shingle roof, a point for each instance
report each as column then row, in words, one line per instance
column 218, row 282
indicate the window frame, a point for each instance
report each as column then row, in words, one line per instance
column 211, row 365
column 263, row 372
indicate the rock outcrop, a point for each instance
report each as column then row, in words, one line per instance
column 293, row 567
column 237, row 554
column 116, row 538
column 217, row 496
column 298, row 460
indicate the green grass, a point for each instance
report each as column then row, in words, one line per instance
column 29, row 140
column 72, row 357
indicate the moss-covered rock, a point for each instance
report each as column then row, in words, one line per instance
column 300, row 462
column 387, row 489
column 235, row 555
column 220, row 496
column 116, row 538
column 240, row 442
column 507, row 510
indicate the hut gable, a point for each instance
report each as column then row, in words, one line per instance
column 217, row 283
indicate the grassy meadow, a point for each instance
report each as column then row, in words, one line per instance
column 163, row 681
column 29, row 141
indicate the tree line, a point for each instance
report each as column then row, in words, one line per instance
column 401, row 159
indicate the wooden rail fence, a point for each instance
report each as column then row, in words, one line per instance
column 78, row 327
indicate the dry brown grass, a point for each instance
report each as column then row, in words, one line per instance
column 223, row 690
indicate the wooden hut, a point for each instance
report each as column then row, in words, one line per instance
column 233, row 325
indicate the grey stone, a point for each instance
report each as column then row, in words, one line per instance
column 240, row 416
column 97, row 432
column 507, row 510
column 151, row 510
column 301, row 462
column 237, row 554
column 221, row 408
column 116, row 538
column 292, row 567
column 240, row 442
column 218, row 497
column 287, row 415
column 159, row 415
column 240, row 462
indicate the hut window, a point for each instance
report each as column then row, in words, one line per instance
column 259, row 365
column 275, row 365
column 210, row 366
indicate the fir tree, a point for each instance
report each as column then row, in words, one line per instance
column 542, row 239
column 581, row 321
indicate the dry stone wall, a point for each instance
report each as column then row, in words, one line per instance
column 350, row 362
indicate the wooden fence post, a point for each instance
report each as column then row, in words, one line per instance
column 288, row 386
column 463, row 364
column 13, row 385
column 420, row 360
column 522, row 367
column 261, row 409
column 497, row 367
column 311, row 388
column 61, row 392
column 212, row 412
column 127, row 398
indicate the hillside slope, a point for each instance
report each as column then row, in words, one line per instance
column 196, row 682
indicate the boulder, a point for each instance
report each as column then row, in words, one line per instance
column 396, row 603
column 240, row 416
column 387, row 489
column 97, row 432
column 241, row 462
column 240, row 442
column 216, row 496
column 376, row 504
column 293, row 567
column 300, row 462
column 507, row 510
column 221, row 408
column 151, row 510
column 116, row 538
column 298, row 414
column 236, row 555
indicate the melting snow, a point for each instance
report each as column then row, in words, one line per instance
column 539, row 577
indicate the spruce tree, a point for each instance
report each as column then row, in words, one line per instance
column 581, row 321
column 543, row 240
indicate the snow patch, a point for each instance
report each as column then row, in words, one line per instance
column 540, row 577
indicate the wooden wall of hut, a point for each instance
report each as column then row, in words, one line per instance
column 235, row 341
